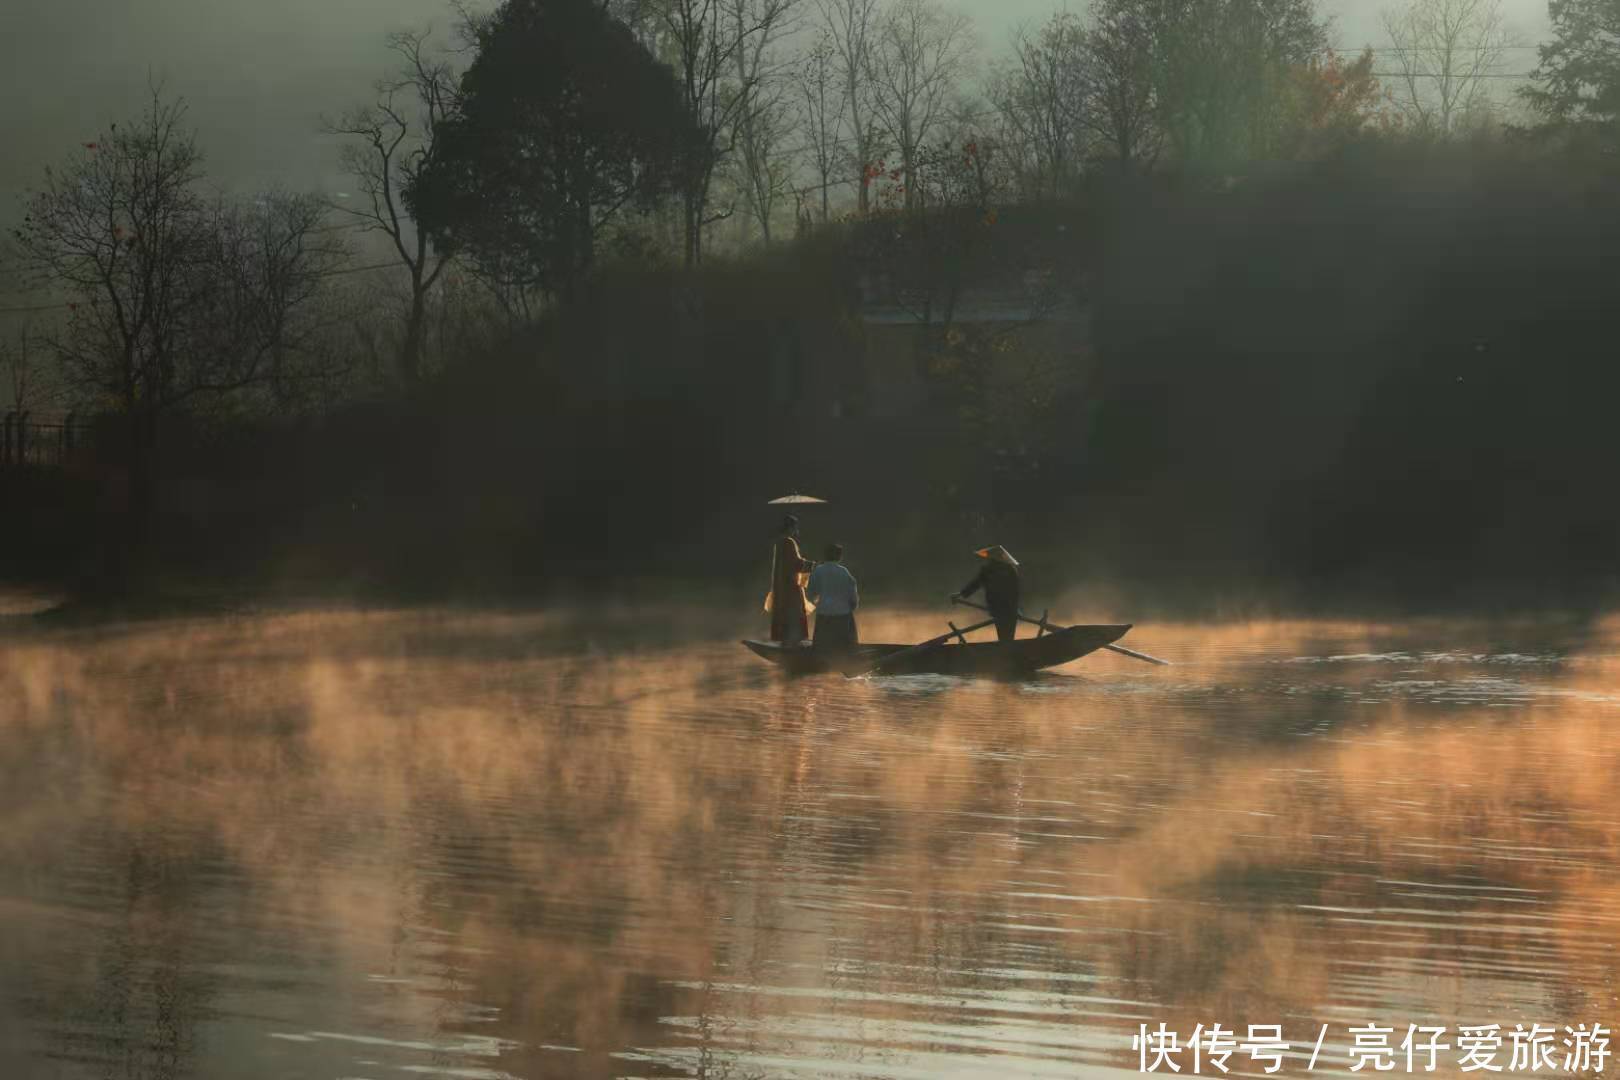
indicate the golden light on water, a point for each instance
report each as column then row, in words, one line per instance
column 461, row 844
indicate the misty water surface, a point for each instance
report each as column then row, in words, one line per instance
column 459, row 845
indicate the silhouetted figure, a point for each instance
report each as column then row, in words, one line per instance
column 999, row 579
column 789, row 622
column 833, row 590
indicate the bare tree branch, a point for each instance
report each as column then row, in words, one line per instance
column 920, row 55
column 852, row 29
column 393, row 141
column 719, row 46
column 1041, row 96
column 821, row 109
column 173, row 296
column 1444, row 55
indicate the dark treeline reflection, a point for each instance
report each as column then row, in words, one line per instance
column 1389, row 370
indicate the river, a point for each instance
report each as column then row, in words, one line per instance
column 445, row 843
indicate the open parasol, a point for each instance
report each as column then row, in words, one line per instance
column 794, row 499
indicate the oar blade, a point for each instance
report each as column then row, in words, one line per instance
column 1133, row 654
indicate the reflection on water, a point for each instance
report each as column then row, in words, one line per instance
column 429, row 844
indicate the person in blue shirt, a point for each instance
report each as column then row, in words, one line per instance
column 833, row 590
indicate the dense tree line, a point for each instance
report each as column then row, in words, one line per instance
column 823, row 109
column 551, row 199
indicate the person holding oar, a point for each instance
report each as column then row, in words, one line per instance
column 1048, row 628
column 999, row 579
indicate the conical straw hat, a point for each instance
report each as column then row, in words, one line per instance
column 998, row 553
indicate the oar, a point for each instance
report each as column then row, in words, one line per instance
column 1050, row 629
column 915, row 650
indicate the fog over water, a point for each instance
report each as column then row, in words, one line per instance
column 452, row 844
column 609, row 842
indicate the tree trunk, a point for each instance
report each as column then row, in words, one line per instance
column 126, row 540
column 696, row 197
column 142, row 475
column 688, row 232
column 410, row 354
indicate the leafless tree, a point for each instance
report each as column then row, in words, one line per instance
column 852, row 29
column 393, row 141
column 271, row 258
column 920, row 57
column 1041, row 98
column 704, row 38
column 821, row 112
column 763, row 122
column 764, row 162
column 1445, row 53
column 1121, row 103
column 175, row 298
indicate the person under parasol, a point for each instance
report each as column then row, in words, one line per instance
column 786, row 602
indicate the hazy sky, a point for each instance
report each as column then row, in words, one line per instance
column 258, row 74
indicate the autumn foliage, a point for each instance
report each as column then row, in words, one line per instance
column 1332, row 103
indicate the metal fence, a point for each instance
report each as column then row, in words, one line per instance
column 51, row 443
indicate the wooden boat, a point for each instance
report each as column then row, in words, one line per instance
column 1021, row 657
